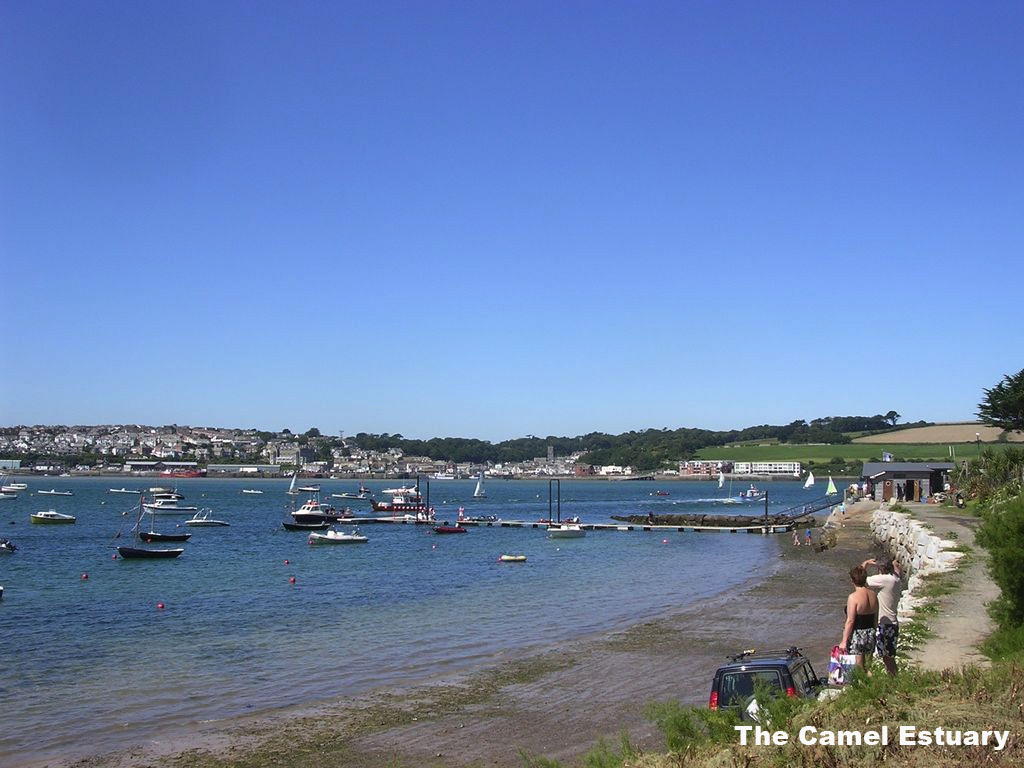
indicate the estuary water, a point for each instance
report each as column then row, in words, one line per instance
column 91, row 664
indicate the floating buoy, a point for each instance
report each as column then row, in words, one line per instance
column 113, row 557
column 291, row 580
column 664, row 541
column 286, row 562
column 85, row 576
column 159, row 606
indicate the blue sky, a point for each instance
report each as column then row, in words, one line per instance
column 499, row 219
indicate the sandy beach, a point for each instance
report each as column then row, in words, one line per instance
column 556, row 704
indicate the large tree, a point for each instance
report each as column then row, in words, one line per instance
column 1003, row 405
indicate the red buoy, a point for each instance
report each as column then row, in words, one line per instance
column 159, row 606
column 85, row 576
column 291, row 580
column 286, row 562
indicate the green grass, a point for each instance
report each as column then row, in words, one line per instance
column 824, row 454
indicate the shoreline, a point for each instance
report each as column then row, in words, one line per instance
column 557, row 703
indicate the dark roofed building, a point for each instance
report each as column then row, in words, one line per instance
column 905, row 480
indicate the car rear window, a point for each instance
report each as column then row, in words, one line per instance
column 737, row 687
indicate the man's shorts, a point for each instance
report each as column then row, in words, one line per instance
column 888, row 632
column 862, row 642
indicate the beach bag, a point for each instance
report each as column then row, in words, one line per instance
column 840, row 666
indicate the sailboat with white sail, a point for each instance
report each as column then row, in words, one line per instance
column 730, row 499
column 480, row 493
column 809, row 483
column 292, row 490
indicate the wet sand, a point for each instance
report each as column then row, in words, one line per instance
column 557, row 704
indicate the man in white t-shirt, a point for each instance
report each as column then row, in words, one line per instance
column 888, row 584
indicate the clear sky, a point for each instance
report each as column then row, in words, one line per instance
column 490, row 219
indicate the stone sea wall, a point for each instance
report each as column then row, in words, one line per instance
column 918, row 551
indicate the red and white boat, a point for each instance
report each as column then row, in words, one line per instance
column 403, row 500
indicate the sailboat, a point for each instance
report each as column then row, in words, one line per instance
column 809, row 483
column 292, row 490
column 480, row 493
column 136, row 552
column 831, row 490
column 730, row 499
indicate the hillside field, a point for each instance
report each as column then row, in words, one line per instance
column 823, row 454
column 917, row 444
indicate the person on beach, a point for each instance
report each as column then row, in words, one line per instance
column 888, row 584
column 861, row 618
column 796, row 539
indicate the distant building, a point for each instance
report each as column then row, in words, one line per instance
column 780, row 468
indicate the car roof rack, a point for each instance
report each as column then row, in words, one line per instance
column 753, row 653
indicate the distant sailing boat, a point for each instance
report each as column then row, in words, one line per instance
column 131, row 551
column 730, row 499
column 810, row 480
column 292, row 491
column 480, row 493
column 831, row 490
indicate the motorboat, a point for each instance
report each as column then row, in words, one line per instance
column 511, row 558
column 402, row 500
column 53, row 492
column 322, row 525
column 8, row 495
column 753, row 492
column 450, row 529
column 13, row 487
column 566, row 531
column 123, row 490
column 315, row 512
column 204, row 518
column 51, row 516
column 168, row 507
column 251, row 490
column 7, row 546
column 333, row 536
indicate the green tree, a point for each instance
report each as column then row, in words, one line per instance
column 1003, row 405
column 1002, row 534
column 892, row 417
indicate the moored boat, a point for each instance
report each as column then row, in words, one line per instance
column 135, row 552
column 337, row 537
column 123, row 490
column 450, row 529
column 204, row 518
column 315, row 526
column 53, row 492
column 51, row 516
column 402, row 500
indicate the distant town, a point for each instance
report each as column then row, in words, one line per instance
column 182, row 451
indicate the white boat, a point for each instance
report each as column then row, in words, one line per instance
column 309, row 489
column 292, row 490
column 52, row 492
column 753, row 492
column 251, row 490
column 7, row 495
column 168, row 507
column 14, row 487
column 122, row 490
column 480, row 493
column 51, row 516
column 337, row 537
column 810, row 480
column 566, row 531
column 203, row 518
column 360, row 495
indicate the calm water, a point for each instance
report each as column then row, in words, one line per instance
column 94, row 661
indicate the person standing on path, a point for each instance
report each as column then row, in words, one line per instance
column 888, row 586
